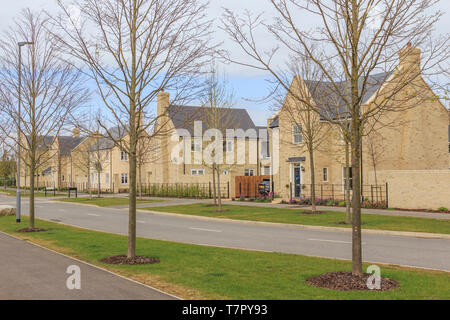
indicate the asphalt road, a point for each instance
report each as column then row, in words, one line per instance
column 31, row 272
column 398, row 250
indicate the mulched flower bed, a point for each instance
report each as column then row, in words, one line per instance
column 346, row 281
column 423, row 210
column 25, row 230
column 123, row 259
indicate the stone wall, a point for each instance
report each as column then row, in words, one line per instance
column 417, row 189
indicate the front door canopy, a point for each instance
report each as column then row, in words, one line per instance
column 296, row 159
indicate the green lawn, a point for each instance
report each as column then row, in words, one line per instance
column 105, row 202
column 26, row 193
column 193, row 271
column 371, row 221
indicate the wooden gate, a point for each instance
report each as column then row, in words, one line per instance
column 247, row 186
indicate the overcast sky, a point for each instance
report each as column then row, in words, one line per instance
column 247, row 84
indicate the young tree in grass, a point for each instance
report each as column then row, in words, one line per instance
column 51, row 89
column 217, row 104
column 133, row 49
column 359, row 38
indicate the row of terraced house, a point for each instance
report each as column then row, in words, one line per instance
column 412, row 156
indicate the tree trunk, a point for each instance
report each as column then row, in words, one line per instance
column 219, row 196
column 132, row 207
column 31, row 200
column 98, row 182
column 356, row 205
column 214, row 184
column 348, row 213
column 140, row 182
column 313, row 179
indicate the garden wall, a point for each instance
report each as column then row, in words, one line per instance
column 416, row 189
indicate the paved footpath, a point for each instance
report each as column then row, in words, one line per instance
column 30, row 272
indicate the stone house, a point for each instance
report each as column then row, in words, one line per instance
column 416, row 144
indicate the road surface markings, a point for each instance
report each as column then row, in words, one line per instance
column 334, row 241
column 140, row 221
column 93, row 214
column 208, row 230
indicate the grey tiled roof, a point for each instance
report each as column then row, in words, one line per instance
column 275, row 123
column 331, row 103
column 183, row 117
column 68, row 143
column 43, row 142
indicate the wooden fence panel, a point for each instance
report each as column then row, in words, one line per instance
column 247, row 186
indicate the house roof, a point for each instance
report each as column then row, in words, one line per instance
column 43, row 142
column 330, row 101
column 68, row 143
column 183, row 117
column 275, row 123
column 102, row 144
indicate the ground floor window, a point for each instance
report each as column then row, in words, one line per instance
column 225, row 172
column 344, row 179
column 266, row 170
column 325, row 174
column 197, row 172
column 249, row 172
column 124, row 178
column 107, row 178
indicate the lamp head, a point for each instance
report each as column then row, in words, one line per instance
column 23, row 43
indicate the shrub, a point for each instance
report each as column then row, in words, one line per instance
column 241, row 198
column 251, row 199
column 7, row 212
column 341, row 204
column 233, row 199
column 443, row 209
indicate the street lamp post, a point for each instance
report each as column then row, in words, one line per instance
column 20, row 44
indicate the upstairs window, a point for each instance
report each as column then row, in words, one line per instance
column 229, row 146
column 196, row 145
column 123, row 156
column 297, row 134
column 350, row 178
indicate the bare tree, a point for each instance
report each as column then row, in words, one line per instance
column 359, row 39
column 51, row 89
column 133, row 50
column 217, row 104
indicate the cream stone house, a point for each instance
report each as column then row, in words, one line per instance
column 55, row 162
column 180, row 151
column 413, row 155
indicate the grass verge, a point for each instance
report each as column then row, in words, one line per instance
column 330, row 219
column 104, row 202
column 26, row 194
column 197, row 272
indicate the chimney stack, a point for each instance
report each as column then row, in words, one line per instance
column 75, row 133
column 410, row 58
column 163, row 101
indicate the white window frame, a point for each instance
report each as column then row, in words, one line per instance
column 325, row 173
column 197, row 172
column 229, row 146
column 249, row 172
column 106, row 178
column 124, row 177
column 343, row 179
column 297, row 131
column 268, row 169
column 196, row 145
column 123, row 156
